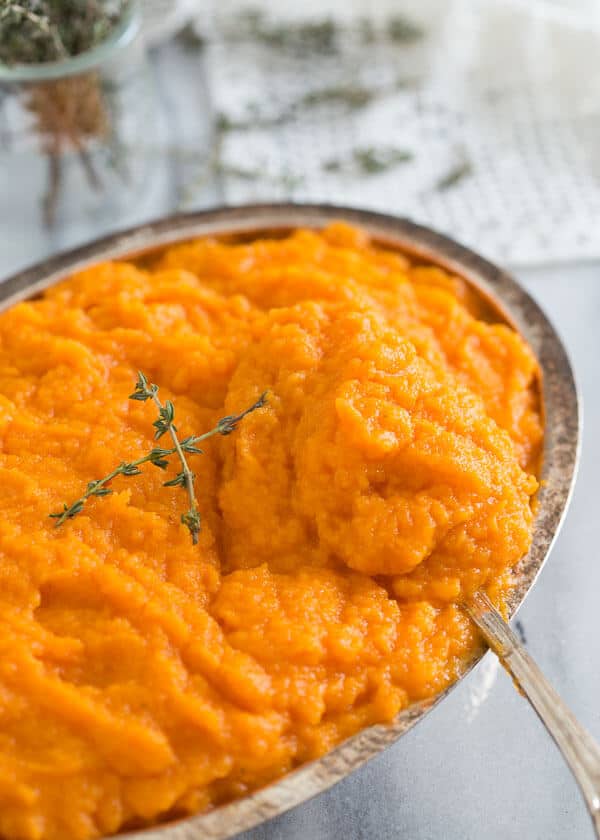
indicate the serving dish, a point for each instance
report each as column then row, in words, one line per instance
column 506, row 301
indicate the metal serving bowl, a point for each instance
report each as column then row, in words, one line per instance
column 507, row 300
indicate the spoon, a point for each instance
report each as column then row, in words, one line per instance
column 579, row 749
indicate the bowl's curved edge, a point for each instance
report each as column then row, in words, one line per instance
column 561, row 446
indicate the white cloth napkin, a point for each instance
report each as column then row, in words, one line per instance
column 486, row 128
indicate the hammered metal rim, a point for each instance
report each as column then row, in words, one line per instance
column 561, row 445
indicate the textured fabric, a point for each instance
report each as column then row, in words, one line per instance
column 483, row 127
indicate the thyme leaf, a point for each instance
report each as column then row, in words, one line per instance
column 455, row 175
column 352, row 96
column 370, row 160
column 402, row 30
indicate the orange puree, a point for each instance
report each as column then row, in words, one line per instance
column 390, row 473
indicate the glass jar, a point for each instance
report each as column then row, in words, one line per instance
column 70, row 133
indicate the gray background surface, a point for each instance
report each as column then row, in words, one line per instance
column 481, row 765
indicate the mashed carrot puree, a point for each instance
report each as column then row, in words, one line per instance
column 390, row 474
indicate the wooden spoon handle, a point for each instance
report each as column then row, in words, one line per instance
column 580, row 750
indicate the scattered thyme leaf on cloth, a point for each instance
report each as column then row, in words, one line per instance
column 454, row 176
column 370, row 160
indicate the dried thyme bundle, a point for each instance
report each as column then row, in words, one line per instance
column 68, row 112
column 37, row 31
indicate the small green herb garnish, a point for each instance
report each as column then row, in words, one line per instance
column 352, row 96
column 370, row 160
column 454, row 176
column 158, row 456
column 190, row 39
column 402, row 30
column 300, row 37
column 348, row 97
column 375, row 159
column 332, row 165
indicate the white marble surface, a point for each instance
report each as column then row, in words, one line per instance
column 481, row 764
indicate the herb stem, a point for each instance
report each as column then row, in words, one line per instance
column 98, row 487
column 189, row 475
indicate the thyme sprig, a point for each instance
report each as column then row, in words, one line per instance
column 158, row 456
